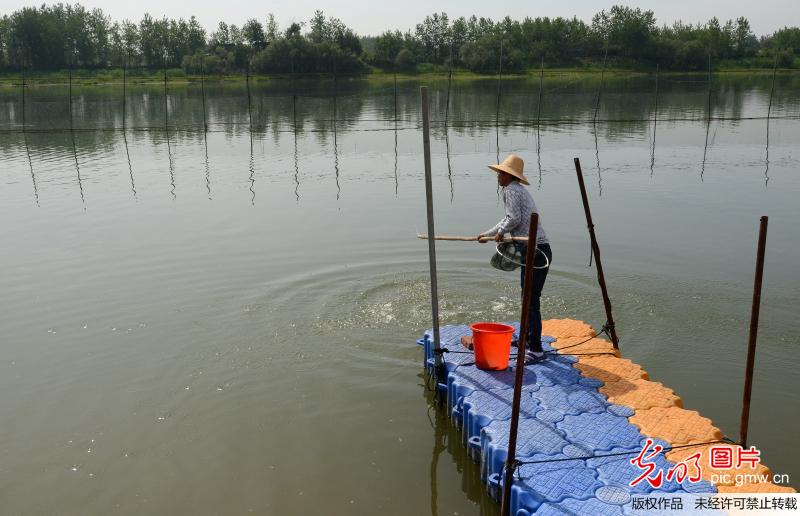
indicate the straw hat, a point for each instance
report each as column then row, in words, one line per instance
column 512, row 165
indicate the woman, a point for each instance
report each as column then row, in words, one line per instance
column 519, row 206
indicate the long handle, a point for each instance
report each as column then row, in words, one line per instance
column 751, row 345
column 523, row 333
column 596, row 251
column 472, row 238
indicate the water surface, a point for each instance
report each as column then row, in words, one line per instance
column 222, row 321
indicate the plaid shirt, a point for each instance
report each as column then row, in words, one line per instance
column 519, row 206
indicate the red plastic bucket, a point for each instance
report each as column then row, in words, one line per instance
column 492, row 344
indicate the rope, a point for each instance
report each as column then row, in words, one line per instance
column 434, row 123
column 605, row 330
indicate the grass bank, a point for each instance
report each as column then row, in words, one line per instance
column 423, row 73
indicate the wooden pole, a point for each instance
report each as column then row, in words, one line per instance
column 600, row 88
column 69, row 102
column 25, row 137
column 203, row 91
column 471, row 238
column 396, row 181
column 708, row 120
column 769, row 111
column 24, row 124
column 335, row 94
column 72, row 131
column 124, row 89
column 539, row 105
column 538, row 120
column 497, row 110
column 394, row 74
column 655, row 125
column 520, row 369
column 426, row 143
column 249, row 100
column 751, row 345
column 166, row 111
column 596, row 252
column 449, row 83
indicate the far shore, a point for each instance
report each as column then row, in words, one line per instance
column 179, row 76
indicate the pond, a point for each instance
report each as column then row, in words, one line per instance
column 221, row 321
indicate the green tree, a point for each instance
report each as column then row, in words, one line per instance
column 253, row 33
column 627, row 32
column 387, row 46
column 433, row 34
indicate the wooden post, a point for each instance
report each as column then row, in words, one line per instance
column 708, row 120
column 655, row 125
column 335, row 136
column 600, row 88
column 124, row 89
column 396, row 181
column 249, row 101
column 72, row 132
column 394, row 74
column 166, row 110
column 449, row 83
column 596, row 252
column 539, row 106
column 24, row 125
column 511, row 459
column 335, row 94
column 497, row 110
column 769, row 111
column 69, row 98
column 751, row 345
column 25, row 138
column 538, row 121
column 203, row 91
column 426, row 143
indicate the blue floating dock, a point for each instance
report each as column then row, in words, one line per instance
column 568, row 432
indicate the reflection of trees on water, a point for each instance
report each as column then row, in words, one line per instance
column 569, row 100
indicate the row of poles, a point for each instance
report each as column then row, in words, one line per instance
column 439, row 369
column 594, row 119
column 251, row 167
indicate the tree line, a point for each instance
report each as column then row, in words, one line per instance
column 60, row 36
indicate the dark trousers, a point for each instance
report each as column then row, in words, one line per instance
column 534, row 337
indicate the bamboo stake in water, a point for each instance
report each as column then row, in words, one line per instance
column 449, row 83
column 601, row 279
column 335, row 136
column 600, row 88
column 249, row 101
column 25, row 138
column 72, row 132
column 655, row 124
column 166, row 128
column 124, row 89
column 497, row 110
column 708, row 120
column 769, row 111
column 751, row 344
column 511, row 459
column 203, row 92
column 426, row 144
column 538, row 120
column 396, row 181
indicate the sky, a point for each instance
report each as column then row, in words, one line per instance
column 371, row 17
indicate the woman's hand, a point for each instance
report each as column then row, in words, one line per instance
column 481, row 238
column 498, row 237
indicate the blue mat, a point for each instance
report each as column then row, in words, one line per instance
column 567, row 433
